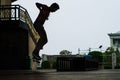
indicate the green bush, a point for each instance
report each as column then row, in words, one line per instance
column 96, row 55
column 45, row 65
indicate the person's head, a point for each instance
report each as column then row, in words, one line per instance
column 54, row 7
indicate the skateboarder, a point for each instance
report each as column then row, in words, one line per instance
column 38, row 25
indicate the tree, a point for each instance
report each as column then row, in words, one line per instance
column 96, row 55
column 45, row 65
column 109, row 50
column 65, row 52
column 107, row 57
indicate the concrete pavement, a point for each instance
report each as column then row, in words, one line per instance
column 53, row 75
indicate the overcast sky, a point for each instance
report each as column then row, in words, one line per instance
column 77, row 24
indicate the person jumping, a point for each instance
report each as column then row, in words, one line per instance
column 38, row 25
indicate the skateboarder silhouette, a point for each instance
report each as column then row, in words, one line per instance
column 38, row 25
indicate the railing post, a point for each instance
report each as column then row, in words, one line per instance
column 19, row 13
column 15, row 12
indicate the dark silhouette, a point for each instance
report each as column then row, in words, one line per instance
column 38, row 24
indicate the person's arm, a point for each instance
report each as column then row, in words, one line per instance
column 39, row 5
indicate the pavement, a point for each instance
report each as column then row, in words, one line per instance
column 43, row 74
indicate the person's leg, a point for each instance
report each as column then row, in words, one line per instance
column 36, row 54
column 41, row 42
column 39, row 46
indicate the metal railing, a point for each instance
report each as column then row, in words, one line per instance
column 12, row 12
column 17, row 12
column 76, row 64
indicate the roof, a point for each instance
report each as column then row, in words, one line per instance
column 114, row 34
column 118, row 32
column 13, row 0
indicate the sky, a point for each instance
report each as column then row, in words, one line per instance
column 78, row 24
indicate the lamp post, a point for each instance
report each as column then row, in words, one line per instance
column 79, row 51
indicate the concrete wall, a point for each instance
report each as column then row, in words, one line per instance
column 13, row 46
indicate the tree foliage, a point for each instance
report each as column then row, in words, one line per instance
column 96, row 55
column 46, row 65
column 107, row 57
column 65, row 52
column 109, row 50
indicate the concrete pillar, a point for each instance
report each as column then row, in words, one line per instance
column 111, row 42
column 113, row 60
column 6, row 2
column 7, row 12
column 31, row 48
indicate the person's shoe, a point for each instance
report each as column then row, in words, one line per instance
column 35, row 60
column 36, row 56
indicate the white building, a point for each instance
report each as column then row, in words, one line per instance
column 115, row 40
